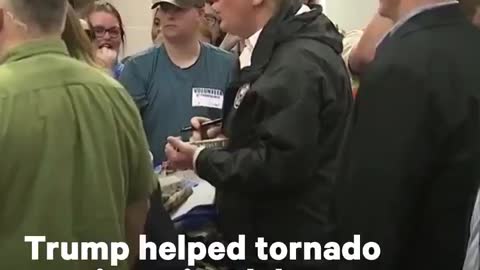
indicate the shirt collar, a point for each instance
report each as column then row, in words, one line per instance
column 31, row 48
column 253, row 39
column 417, row 11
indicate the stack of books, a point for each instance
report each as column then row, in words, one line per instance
column 212, row 143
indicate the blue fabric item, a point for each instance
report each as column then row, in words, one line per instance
column 158, row 169
column 163, row 91
column 117, row 70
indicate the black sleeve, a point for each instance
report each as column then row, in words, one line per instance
column 286, row 104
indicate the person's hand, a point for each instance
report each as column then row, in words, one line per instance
column 229, row 42
column 107, row 56
column 179, row 154
column 203, row 133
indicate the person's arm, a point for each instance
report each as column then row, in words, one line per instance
column 141, row 179
column 287, row 103
column 229, row 42
column 135, row 219
column 141, row 185
column 364, row 51
column 134, row 80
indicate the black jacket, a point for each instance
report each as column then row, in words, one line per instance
column 275, row 178
column 413, row 163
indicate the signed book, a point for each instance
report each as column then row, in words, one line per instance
column 212, row 143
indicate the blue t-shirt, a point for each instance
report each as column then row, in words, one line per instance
column 168, row 96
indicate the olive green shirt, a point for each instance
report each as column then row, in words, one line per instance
column 73, row 156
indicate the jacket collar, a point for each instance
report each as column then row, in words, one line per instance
column 431, row 18
column 427, row 19
column 417, row 11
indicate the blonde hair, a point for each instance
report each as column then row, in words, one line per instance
column 78, row 42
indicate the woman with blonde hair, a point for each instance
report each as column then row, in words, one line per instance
column 78, row 37
column 109, row 34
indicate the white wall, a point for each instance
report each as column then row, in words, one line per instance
column 137, row 17
column 351, row 14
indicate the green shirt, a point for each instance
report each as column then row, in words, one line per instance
column 73, row 156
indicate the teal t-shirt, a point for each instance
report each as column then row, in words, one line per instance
column 169, row 96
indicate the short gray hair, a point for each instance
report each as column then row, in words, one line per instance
column 47, row 16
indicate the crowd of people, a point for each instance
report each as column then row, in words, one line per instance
column 373, row 133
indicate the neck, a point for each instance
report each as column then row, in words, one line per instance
column 18, row 40
column 476, row 17
column 183, row 54
column 260, row 19
column 410, row 5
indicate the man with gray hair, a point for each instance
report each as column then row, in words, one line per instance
column 76, row 165
column 46, row 17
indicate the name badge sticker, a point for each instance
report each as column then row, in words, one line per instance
column 207, row 97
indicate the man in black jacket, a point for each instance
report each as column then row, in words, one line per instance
column 285, row 118
column 413, row 158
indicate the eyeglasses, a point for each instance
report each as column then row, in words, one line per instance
column 211, row 19
column 101, row 31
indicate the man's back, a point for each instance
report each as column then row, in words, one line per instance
column 74, row 156
column 417, row 122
